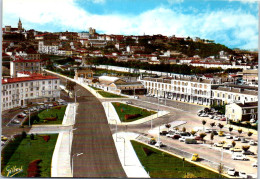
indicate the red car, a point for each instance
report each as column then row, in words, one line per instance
column 176, row 136
column 55, row 104
column 223, row 119
column 20, row 116
column 198, row 138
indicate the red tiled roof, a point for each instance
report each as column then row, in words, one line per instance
column 31, row 78
column 23, row 60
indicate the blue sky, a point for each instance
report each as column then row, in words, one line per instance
column 232, row 23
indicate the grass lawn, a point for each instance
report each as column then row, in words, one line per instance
column 128, row 109
column 30, row 150
column 162, row 165
column 95, row 88
column 53, row 112
column 109, row 95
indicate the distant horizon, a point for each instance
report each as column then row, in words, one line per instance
column 231, row 23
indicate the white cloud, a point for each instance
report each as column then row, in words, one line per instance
column 229, row 27
column 171, row 2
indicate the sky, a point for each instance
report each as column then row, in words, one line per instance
column 233, row 23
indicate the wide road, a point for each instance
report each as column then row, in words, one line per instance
column 93, row 138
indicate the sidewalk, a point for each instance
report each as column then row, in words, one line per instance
column 130, row 162
column 61, row 156
column 112, row 115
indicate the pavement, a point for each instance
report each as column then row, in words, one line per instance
column 128, row 158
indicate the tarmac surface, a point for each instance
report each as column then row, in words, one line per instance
column 94, row 139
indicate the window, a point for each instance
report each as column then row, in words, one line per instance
column 49, row 92
column 26, row 84
column 49, row 82
column 233, row 110
column 57, row 81
column 26, row 95
column 244, row 111
column 43, row 82
column 37, row 88
column 31, row 94
column 37, row 94
column 17, row 85
column 21, row 84
column 21, row 90
column 31, row 89
column 26, row 89
column 9, row 92
column 252, row 110
column 55, row 87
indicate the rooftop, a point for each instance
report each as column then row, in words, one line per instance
column 33, row 77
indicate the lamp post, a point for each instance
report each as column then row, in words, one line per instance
column 75, row 105
column 70, row 142
column 124, row 148
column 77, row 154
column 116, row 127
column 29, row 117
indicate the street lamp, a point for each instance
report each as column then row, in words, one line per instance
column 75, row 105
column 29, row 117
column 124, row 148
column 70, row 142
column 77, row 154
column 116, row 127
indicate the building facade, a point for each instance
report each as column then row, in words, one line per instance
column 242, row 111
column 26, row 90
column 21, row 65
column 186, row 89
column 230, row 94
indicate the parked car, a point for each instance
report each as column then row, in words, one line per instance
column 195, row 157
column 50, row 105
column 152, row 141
column 159, row 144
column 55, row 104
column 182, row 139
column 227, row 146
column 236, row 138
column 242, row 175
column 239, row 157
column 176, row 136
column 204, row 115
column 22, row 115
column 255, row 164
column 248, row 152
column 221, row 134
column 3, row 138
column 190, row 141
column 219, row 144
column 231, row 172
column 223, row 119
column 170, row 134
column 217, row 118
column 243, row 140
column 198, row 138
column 163, row 133
column 211, row 116
column 15, row 121
column 128, row 102
column 236, row 149
column 228, row 136
column 252, row 142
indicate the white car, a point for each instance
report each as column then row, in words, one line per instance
column 50, row 105
column 15, row 121
column 170, row 134
column 252, row 142
column 239, row 157
column 211, row 116
column 228, row 136
column 182, row 139
column 255, row 164
column 231, row 172
column 236, row 138
column 158, row 144
column 204, row 115
column 217, row 118
column 242, row 175
column 128, row 102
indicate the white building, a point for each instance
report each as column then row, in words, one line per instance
column 47, row 49
column 218, row 65
column 186, row 89
column 234, row 94
column 25, row 90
